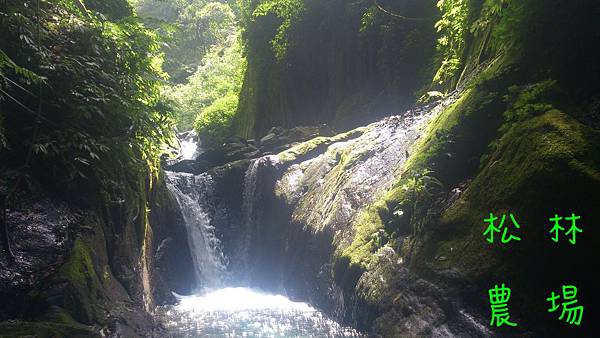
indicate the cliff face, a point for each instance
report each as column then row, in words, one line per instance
column 382, row 227
column 346, row 64
column 388, row 236
column 92, row 271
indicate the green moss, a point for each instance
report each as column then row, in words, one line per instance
column 368, row 238
column 535, row 147
column 546, row 164
column 529, row 101
column 83, row 294
column 79, row 268
column 58, row 315
column 44, row 330
column 303, row 149
column 432, row 140
column 460, row 132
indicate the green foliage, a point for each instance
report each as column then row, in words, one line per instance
column 114, row 9
column 289, row 12
column 193, row 28
column 204, row 59
column 420, row 187
column 100, row 113
column 23, row 73
column 368, row 19
column 8, row 65
column 452, row 28
column 218, row 78
column 508, row 31
column 214, row 123
column 490, row 13
column 528, row 101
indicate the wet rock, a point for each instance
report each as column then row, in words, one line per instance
column 173, row 262
column 306, row 205
column 186, row 166
column 215, row 157
column 238, row 151
column 41, row 230
column 76, row 269
column 253, row 154
column 277, row 130
column 269, row 140
column 279, row 139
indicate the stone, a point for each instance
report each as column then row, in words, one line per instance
column 268, row 139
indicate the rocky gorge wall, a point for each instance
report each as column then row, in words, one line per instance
column 92, row 272
column 381, row 227
column 403, row 254
column 345, row 63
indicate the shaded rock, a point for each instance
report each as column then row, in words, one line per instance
column 269, row 140
column 277, row 130
column 279, row 139
column 228, row 152
column 186, row 166
column 41, row 231
column 82, row 271
column 173, row 262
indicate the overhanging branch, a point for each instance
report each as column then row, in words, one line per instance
column 396, row 15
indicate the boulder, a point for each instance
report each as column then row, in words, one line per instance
column 278, row 139
column 268, row 140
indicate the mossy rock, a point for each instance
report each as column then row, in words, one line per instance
column 76, row 288
column 13, row 329
column 545, row 165
column 303, row 150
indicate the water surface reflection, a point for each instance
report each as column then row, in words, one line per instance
column 243, row 312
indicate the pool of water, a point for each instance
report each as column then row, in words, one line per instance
column 243, row 312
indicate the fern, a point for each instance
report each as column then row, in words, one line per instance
column 452, row 28
column 290, row 12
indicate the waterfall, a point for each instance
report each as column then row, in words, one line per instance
column 250, row 195
column 249, row 192
column 189, row 145
column 193, row 194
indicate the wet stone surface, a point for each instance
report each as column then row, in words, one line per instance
column 39, row 233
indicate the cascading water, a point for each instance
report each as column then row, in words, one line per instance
column 250, row 196
column 193, row 196
column 189, row 145
column 231, row 311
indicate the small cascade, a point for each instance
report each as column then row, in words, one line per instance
column 190, row 145
column 193, row 194
column 250, row 196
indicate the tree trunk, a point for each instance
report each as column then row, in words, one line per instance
column 81, row 7
column 4, row 226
